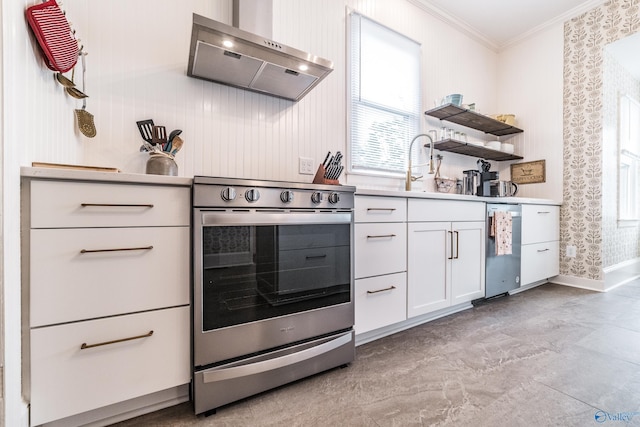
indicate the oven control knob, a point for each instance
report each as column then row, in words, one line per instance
column 252, row 195
column 334, row 198
column 228, row 194
column 286, row 196
column 316, row 197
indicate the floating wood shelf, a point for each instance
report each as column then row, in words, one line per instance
column 468, row 149
column 471, row 119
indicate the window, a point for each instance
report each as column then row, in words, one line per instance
column 629, row 168
column 385, row 97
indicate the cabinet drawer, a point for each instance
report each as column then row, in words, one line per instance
column 380, row 301
column 380, row 249
column 445, row 210
column 380, row 209
column 540, row 223
column 68, row 285
column 67, row 380
column 539, row 262
column 83, row 204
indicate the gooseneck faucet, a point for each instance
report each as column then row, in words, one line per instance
column 410, row 177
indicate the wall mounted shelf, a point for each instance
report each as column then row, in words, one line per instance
column 471, row 119
column 468, row 149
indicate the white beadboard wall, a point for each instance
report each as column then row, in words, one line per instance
column 530, row 81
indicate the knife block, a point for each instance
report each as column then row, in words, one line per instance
column 320, row 179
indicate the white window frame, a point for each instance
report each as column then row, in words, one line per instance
column 628, row 160
column 400, row 142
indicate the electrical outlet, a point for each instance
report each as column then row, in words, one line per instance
column 571, row 251
column 305, row 166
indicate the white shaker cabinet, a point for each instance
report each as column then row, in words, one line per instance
column 445, row 254
column 380, row 246
column 540, row 243
column 106, row 293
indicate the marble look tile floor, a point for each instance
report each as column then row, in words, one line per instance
column 550, row 356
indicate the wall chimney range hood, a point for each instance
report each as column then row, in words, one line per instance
column 228, row 55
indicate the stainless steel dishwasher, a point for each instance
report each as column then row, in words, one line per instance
column 502, row 272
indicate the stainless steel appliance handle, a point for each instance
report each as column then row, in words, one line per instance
column 273, row 218
column 390, row 288
column 84, row 345
column 275, row 363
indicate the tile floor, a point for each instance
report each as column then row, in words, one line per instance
column 550, row 356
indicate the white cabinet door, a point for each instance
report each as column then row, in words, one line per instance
column 467, row 265
column 539, row 262
column 540, row 223
column 380, row 249
column 67, row 379
column 380, row 301
column 429, row 267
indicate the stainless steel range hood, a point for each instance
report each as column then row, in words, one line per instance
column 231, row 56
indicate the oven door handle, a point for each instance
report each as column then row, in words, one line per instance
column 273, row 218
column 222, row 374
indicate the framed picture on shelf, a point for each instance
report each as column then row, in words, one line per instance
column 528, row 172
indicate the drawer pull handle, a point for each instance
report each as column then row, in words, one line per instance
column 90, row 251
column 316, row 256
column 381, row 209
column 543, row 250
column 390, row 288
column 543, row 212
column 85, row 345
column 381, row 236
column 116, row 205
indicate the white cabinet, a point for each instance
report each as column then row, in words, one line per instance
column 107, row 284
column 445, row 254
column 380, row 246
column 540, row 243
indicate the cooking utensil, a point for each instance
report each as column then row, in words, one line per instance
column 169, row 145
column 146, row 129
column 159, row 135
column 176, row 144
column 72, row 90
column 85, row 118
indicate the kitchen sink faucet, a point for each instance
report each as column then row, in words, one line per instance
column 410, row 177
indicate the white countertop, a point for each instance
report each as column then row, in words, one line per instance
column 449, row 196
column 85, row 175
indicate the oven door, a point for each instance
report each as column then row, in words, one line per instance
column 265, row 279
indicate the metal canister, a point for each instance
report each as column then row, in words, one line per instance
column 162, row 164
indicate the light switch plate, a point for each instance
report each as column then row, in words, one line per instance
column 305, row 166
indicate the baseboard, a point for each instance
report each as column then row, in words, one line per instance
column 619, row 274
column 579, row 282
column 529, row 286
column 409, row 323
column 125, row 410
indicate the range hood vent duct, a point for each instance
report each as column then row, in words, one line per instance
column 225, row 54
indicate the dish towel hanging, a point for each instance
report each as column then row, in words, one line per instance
column 501, row 230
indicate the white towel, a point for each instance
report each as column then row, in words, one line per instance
column 501, row 229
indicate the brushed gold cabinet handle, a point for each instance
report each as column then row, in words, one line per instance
column 543, row 250
column 90, row 251
column 451, row 238
column 390, row 288
column 381, row 236
column 116, row 205
column 457, row 246
column 85, row 345
column 381, row 209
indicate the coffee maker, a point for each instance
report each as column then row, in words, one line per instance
column 485, row 179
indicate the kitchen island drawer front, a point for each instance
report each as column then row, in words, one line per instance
column 540, row 223
column 421, row 210
column 540, row 261
column 380, row 249
column 68, row 380
column 131, row 270
column 380, row 301
column 380, row 209
column 57, row 204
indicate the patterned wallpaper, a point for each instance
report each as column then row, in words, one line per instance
column 581, row 216
column 618, row 243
